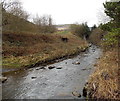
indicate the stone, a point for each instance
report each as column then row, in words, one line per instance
column 76, row 63
column 59, row 68
column 90, row 45
column 85, row 92
column 84, row 69
column 51, row 67
column 3, row 79
column 40, row 68
column 83, row 50
column 34, row 77
column 75, row 93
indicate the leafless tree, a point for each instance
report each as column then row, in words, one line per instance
column 44, row 20
column 15, row 7
column 7, row 4
column 45, row 23
column 37, row 20
column 102, row 17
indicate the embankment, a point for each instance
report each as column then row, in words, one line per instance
column 104, row 82
column 26, row 50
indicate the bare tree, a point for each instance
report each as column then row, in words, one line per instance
column 50, row 21
column 15, row 7
column 6, row 4
column 37, row 20
column 44, row 20
column 45, row 23
column 102, row 17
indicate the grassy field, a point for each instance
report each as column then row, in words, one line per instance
column 104, row 82
column 25, row 49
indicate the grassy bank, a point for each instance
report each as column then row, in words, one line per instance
column 103, row 83
column 24, row 50
column 16, row 24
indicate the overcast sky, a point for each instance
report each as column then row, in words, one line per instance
column 66, row 11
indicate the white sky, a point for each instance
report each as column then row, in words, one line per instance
column 66, row 11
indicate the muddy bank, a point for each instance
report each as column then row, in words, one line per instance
column 46, row 83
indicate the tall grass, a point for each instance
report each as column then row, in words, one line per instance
column 20, row 49
column 104, row 82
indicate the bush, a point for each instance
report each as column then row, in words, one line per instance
column 81, row 30
column 96, row 36
column 108, row 26
column 111, row 39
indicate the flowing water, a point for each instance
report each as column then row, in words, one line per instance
column 36, row 83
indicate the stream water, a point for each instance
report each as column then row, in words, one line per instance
column 56, row 83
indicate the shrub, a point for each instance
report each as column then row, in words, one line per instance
column 81, row 30
column 111, row 39
column 96, row 36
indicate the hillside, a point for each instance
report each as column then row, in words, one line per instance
column 16, row 24
column 23, row 45
column 21, row 49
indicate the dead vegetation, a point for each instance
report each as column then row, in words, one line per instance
column 22, row 49
column 104, row 82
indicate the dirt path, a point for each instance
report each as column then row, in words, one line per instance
column 37, row 83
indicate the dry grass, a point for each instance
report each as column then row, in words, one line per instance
column 96, row 36
column 21, row 49
column 103, row 83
